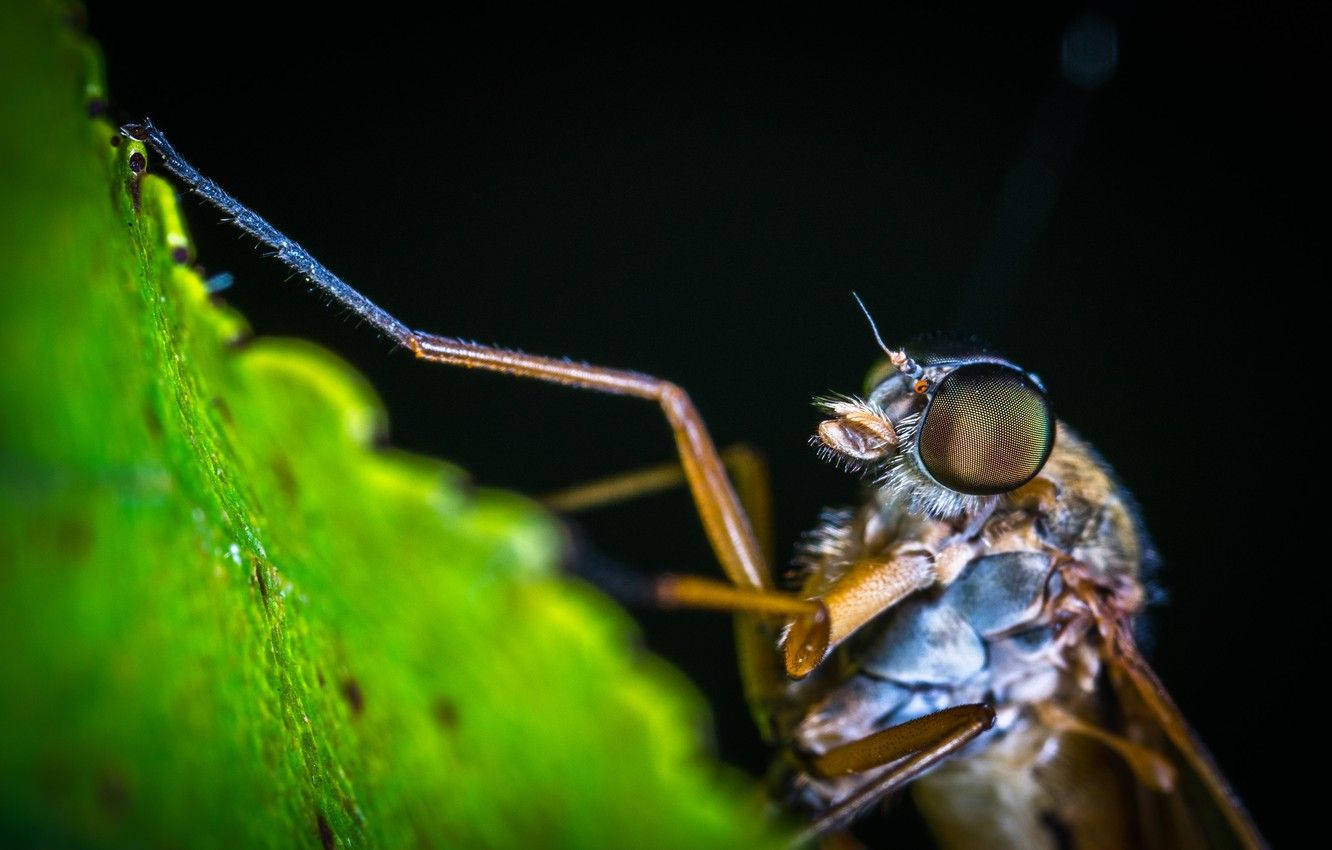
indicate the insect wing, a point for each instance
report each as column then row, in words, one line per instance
column 1203, row 810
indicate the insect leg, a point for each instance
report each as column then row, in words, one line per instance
column 866, row 589
column 755, row 635
column 252, row 223
column 911, row 748
column 690, row 591
column 748, row 472
column 1150, row 767
column 724, row 520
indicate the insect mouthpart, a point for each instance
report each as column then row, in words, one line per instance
column 859, row 436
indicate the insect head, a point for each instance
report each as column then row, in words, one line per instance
column 946, row 433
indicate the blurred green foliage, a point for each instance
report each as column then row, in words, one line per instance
column 226, row 619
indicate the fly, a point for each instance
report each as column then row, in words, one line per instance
column 966, row 629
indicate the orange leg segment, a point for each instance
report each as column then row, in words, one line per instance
column 865, row 590
column 724, row 520
column 748, row 471
column 912, row 748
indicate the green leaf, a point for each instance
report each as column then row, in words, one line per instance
column 228, row 620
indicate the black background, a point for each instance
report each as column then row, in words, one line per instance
column 697, row 200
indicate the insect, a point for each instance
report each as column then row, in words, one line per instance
column 967, row 628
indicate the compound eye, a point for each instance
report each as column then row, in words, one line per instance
column 988, row 429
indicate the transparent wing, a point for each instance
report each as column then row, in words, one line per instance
column 1203, row 810
column 1200, row 809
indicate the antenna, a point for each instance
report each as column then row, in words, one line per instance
column 899, row 358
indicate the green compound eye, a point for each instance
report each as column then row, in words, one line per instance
column 988, row 429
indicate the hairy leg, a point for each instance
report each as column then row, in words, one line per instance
column 727, row 526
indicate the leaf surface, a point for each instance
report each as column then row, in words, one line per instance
column 227, row 618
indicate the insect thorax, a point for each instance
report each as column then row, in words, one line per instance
column 988, row 632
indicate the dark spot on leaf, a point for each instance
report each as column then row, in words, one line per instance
column 319, row 677
column 74, row 537
column 326, row 838
column 223, row 410
column 152, row 420
column 113, row 792
column 351, row 692
column 96, row 107
column 261, row 581
column 286, row 479
column 446, row 713
column 180, row 255
column 115, row 140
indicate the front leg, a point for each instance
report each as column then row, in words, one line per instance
column 868, row 588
